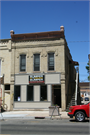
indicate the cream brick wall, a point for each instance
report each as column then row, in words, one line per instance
column 10, row 56
column 5, row 56
column 43, row 48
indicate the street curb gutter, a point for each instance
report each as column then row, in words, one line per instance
column 30, row 118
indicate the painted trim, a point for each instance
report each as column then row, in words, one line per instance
column 37, row 73
column 33, row 101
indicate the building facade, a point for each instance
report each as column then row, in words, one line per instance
column 84, row 89
column 38, row 70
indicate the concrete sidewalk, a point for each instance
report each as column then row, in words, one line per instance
column 30, row 115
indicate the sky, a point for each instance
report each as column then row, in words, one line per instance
column 40, row 16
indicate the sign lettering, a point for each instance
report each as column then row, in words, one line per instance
column 36, row 79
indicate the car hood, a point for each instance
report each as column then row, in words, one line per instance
column 76, row 106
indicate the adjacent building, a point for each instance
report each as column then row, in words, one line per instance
column 38, row 70
column 84, row 89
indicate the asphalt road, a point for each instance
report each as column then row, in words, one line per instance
column 44, row 127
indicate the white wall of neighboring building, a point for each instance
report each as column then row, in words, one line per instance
column 0, row 67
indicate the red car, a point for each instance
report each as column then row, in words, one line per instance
column 80, row 112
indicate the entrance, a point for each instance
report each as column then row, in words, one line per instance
column 56, row 95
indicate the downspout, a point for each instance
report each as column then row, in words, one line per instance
column 76, row 85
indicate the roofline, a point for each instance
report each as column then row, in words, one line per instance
column 84, row 84
column 5, row 39
column 38, row 36
column 37, row 33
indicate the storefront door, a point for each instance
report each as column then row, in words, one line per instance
column 56, row 95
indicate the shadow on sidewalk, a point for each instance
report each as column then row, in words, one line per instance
column 76, row 121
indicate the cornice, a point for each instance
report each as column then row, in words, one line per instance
column 37, row 44
column 50, row 35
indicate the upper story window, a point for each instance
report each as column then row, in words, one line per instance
column 50, row 61
column 22, row 62
column 36, row 62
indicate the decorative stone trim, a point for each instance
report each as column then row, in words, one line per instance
column 19, row 53
column 56, row 52
column 36, row 44
column 9, row 45
column 50, row 51
column 35, row 52
column 44, row 53
column 12, row 80
column 31, row 55
column 2, row 59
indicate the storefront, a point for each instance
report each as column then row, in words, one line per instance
column 37, row 91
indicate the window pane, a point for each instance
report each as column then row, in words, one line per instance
column 29, row 93
column 43, row 93
column 36, row 62
column 51, row 61
column 17, row 93
column 22, row 62
column 7, row 87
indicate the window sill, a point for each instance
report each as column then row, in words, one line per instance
column 51, row 71
column 36, row 71
column 43, row 101
column 22, row 72
column 6, row 91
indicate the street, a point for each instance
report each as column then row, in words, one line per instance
column 44, row 126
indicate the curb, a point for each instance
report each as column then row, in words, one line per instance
column 32, row 117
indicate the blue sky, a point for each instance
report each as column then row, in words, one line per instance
column 40, row 16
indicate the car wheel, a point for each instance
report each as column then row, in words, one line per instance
column 80, row 116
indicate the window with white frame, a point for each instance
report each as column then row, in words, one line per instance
column 50, row 61
column 22, row 62
column 36, row 62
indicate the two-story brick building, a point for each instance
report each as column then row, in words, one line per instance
column 38, row 70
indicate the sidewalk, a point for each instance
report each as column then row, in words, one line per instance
column 30, row 115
